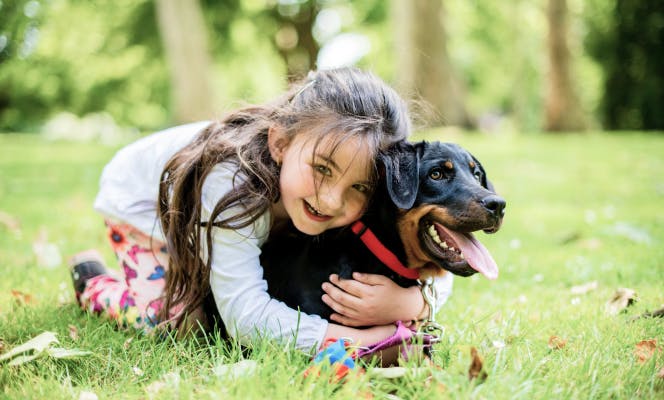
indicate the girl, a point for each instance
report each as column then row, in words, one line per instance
column 187, row 210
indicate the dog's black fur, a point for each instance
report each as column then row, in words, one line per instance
column 424, row 182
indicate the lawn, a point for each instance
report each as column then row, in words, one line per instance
column 582, row 210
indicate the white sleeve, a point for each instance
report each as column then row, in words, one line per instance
column 442, row 285
column 236, row 280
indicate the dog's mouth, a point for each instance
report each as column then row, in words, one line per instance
column 457, row 252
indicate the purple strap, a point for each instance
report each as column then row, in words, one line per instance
column 402, row 336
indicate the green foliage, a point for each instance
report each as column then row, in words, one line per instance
column 106, row 56
column 627, row 39
column 94, row 67
column 581, row 208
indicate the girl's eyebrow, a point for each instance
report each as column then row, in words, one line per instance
column 329, row 161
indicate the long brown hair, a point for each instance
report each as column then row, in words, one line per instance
column 346, row 102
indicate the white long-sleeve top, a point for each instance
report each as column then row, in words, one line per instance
column 128, row 192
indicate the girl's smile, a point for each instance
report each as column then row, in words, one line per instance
column 313, row 214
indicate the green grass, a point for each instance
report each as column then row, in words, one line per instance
column 581, row 208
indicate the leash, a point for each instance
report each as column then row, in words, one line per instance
column 430, row 326
column 381, row 252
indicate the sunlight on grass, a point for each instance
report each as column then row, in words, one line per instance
column 581, row 208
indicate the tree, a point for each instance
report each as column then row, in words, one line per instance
column 294, row 37
column 628, row 41
column 563, row 109
column 423, row 64
column 184, row 37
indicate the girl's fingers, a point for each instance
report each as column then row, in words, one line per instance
column 349, row 286
column 338, row 307
column 341, row 297
column 345, row 320
column 371, row 279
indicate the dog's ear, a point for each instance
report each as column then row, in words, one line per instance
column 485, row 181
column 402, row 166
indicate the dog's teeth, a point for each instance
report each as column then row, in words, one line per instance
column 462, row 256
column 452, row 248
column 443, row 245
column 433, row 233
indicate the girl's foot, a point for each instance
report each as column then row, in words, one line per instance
column 83, row 266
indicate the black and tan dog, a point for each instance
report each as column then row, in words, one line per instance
column 421, row 215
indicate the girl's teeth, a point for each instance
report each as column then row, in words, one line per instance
column 313, row 210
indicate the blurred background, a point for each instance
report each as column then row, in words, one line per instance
column 106, row 67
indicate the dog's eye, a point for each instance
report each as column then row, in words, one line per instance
column 478, row 176
column 436, row 174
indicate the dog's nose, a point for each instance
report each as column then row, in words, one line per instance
column 495, row 204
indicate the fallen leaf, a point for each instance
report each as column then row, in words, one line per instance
column 475, row 370
column 585, row 288
column 38, row 346
column 557, row 343
column 622, row 298
column 73, row 332
column 127, row 343
column 645, row 349
column 22, row 298
column 58, row 352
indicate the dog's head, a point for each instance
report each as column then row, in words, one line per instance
column 443, row 195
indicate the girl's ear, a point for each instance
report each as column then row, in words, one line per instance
column 277, row 141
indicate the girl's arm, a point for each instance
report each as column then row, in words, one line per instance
column 236, row 280
column 360, row 337
column 369, row 299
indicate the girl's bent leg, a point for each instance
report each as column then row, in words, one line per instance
column 134, row 298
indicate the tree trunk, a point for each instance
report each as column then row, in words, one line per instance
column 295, row 41
column 423, row 65
column 184, row 37
column 563, row 109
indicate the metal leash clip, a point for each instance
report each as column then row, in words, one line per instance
column 430, row 326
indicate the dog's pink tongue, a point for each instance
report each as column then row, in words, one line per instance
column 476, row 254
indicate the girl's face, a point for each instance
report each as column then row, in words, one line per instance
column 323, row 189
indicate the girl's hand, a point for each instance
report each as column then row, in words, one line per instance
column 370, row 299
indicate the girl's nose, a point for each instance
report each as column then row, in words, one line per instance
column 332, row 199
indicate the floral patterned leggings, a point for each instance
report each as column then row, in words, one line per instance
column 132, row 299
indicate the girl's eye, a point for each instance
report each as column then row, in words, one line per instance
column 436, row 174
column 362, row 188
column 323, row 170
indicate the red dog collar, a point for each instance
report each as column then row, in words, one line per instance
column 383, row 253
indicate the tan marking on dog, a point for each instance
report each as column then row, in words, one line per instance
column 449, row 165
column 409, row 226
column 471, row 164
